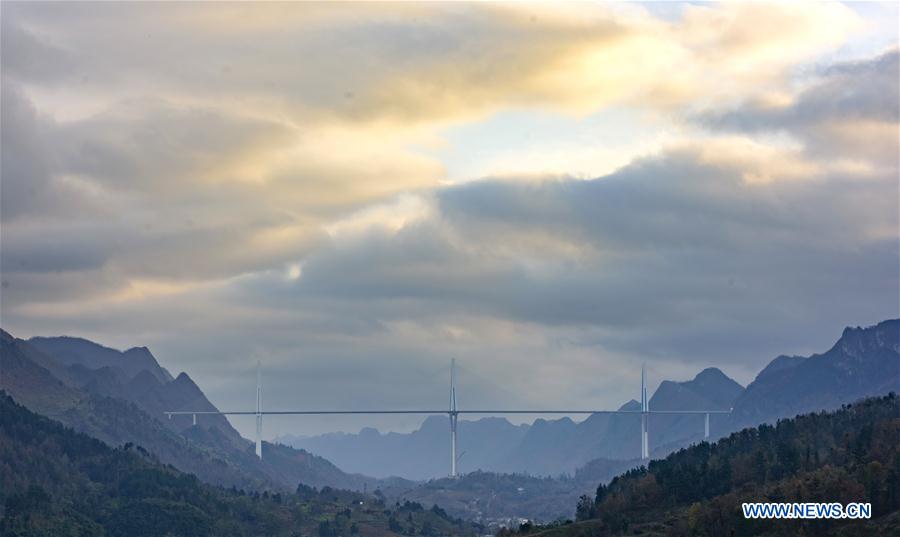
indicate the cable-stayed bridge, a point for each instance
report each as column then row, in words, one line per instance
column 453, row 411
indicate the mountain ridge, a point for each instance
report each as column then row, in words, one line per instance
column 547, row 447
column 863, row 361
column 104, row 400
column 68, row 350
column 94, row 402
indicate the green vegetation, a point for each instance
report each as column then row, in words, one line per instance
column 851, row 455
column 57, row 482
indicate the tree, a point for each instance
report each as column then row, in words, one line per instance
column 586, row 508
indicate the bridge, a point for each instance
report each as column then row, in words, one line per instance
column 453, row 412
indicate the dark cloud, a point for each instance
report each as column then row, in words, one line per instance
column 635, row 254
column 27, row 57
column 832, row 113
column 860, row 90
column 26, row 168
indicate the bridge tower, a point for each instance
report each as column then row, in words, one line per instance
column 454, row 415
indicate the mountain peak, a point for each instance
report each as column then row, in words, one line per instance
column 434, row 424
column 885, row 334
column 183, row 379
column 863, row 362
column 369, row 432
column 711, row 374
column 69, row 350
column 780, row 363
column 710, row 388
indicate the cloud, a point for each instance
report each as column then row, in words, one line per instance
column 283, row 181
column 26, row 173
column 155, row 146
column 26, row 57
column 426, row 63
column 643, row 246
column 850, row 111
column 673, row 259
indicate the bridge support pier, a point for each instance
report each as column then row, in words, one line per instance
column 453, row 458
column 454, row 419
column 645, row 443
column 645, row 416
column 258, row 412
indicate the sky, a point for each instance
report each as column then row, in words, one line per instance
column 353, row 194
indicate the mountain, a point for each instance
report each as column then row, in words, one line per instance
column 111, row 420
column 71, row 350
column 544, row 448
column 119, row 408
column 55, row 481
column 422, row 454
column 617, row 436
column 863, row 362
column 709, row 390
column 850, row 455
column 25, row 371
column 134, row 375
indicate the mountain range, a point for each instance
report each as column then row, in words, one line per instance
column 119, row 397
column 863, row 362
column 543, row 448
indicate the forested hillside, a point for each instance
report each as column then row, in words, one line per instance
column 850, row 455
column 57, row 482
